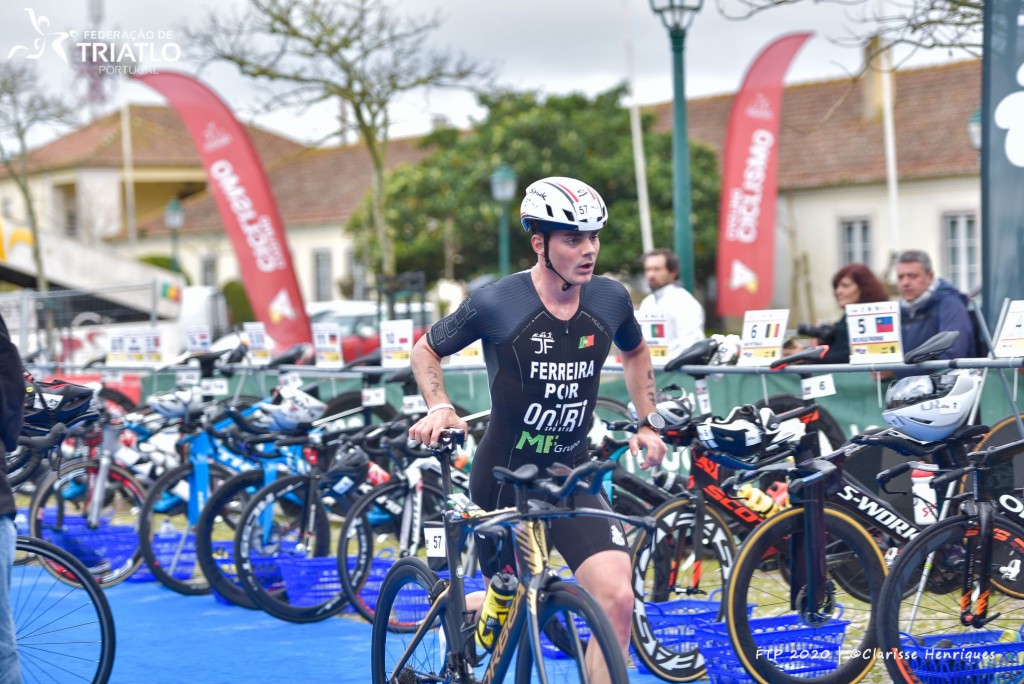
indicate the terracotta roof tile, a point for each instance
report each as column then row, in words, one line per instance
column 314, row 187
column 159, row 139
column 825, row 141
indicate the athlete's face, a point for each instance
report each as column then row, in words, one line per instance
column 574, row 254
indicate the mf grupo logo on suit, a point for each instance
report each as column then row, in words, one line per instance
column 109, row 52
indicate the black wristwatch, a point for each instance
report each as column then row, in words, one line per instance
column 654, row 420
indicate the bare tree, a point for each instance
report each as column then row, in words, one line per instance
column 355, row 52
column 25, row 106
column 924, row 24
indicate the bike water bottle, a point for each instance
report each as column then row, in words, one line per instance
column 924, row 496
column 756, row 500
column 495, row 609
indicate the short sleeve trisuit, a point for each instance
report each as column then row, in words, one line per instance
column 543, row 376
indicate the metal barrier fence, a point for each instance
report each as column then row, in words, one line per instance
column 81, row 319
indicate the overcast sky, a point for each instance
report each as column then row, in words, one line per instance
column 555, row 46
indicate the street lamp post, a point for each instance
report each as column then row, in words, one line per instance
column 174, row 219
column 677, row 15
column 503, row 189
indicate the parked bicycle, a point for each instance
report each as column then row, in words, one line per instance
column 420, row 630
column 972, row 631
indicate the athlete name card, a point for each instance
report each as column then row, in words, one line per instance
column 116, row 355
column 763, row 333
column 1009, row 342
column 658, row 330
column 142, row 347
column 256, row 334
column 473, row 355
column 396, row 343
column 197, row 339
column 874, row 332
column 327, row 344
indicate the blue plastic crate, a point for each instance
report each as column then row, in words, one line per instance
column 974, row 657
column 800, row 650
column 113, row 544
column 266, row 568
column 310, row 581
column 165, row 546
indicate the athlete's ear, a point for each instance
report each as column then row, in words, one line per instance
column 537, row 243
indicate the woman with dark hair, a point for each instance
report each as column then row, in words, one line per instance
column 852, row 284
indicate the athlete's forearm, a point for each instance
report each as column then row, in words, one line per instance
column 639, row 374
column 426, row 367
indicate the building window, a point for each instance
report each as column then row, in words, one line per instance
column 71, row 223
column 856, row 240
column 322, row 276
column 209, row 267
column 962, row 265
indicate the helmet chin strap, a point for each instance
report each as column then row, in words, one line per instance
column 547, row 262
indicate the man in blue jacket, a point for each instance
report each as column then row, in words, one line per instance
column 930, row 305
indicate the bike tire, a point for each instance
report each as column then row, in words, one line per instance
column 668, row 600
column 917, row 635
column 403, row 603
column 22, row 464
column 569, row 612
column 62, row 633
column 215, row 535
column 166, row 533
column 259, row 550
column 111, row 551
column 758, row 598
column 369, row 541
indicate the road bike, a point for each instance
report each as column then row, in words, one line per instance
column 971, row 631
column 421, row 632
column 64, row 627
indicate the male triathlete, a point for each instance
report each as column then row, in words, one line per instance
column 546, row 333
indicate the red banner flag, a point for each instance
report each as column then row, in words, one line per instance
column 247, row 208
column 746, row 234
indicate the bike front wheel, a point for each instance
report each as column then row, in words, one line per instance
column 167, row 527
column 286, row 524
column 682, row 575
column 59, row 513
column 406, row 645
column 778, row 632
column 64, row 627
column 571, row 624
column 920, row 632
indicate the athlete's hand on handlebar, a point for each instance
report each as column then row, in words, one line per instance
column 427, row 430
column 650, row 441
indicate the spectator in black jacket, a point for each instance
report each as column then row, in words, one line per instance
column 852, row 284
column 12, row 396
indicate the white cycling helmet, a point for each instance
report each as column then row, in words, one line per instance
column 175, row 403
column 560, row 203
column 677, row 411
column 291, row 409
column 738, row 439
column 931, row 407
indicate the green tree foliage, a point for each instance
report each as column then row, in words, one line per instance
column 237, row 303
column 560, row 135
column 166, row 263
